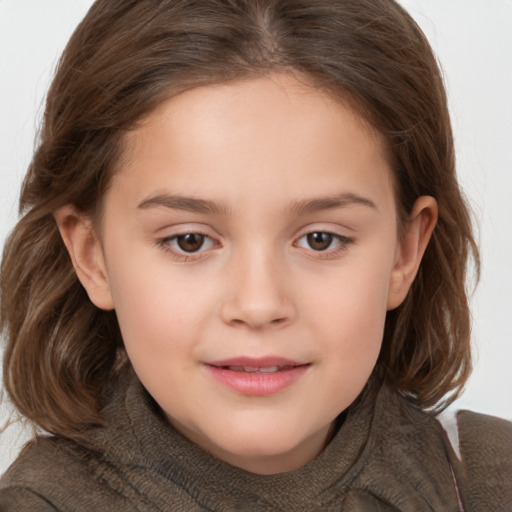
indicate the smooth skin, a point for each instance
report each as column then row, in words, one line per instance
column 255, row 218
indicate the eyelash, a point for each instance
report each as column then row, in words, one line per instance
column 179, row 254
column 342, row 241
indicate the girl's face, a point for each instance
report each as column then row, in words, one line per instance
column 249, row 247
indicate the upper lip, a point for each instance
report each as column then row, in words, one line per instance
column 256, row 362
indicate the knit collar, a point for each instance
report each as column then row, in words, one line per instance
column 369, row 456
column 137, row 435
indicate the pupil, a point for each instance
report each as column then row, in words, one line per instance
column 190, row 242
column 319, row 241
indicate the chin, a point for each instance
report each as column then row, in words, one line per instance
column 264, row 445
column 267, row 449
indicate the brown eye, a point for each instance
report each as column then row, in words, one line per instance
column 191, row 242
column 320, row 241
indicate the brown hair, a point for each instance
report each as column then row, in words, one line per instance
column 123, row 60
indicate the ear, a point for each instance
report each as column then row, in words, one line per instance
column 411, row 248
column 84, row 248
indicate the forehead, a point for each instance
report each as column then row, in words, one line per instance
column 275, row 132
column 276, row 101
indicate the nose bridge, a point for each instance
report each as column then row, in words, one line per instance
column 258, row 293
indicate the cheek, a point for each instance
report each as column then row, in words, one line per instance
column 349, row 315
column 154, row 305
column 159, row 315
column 355, row 296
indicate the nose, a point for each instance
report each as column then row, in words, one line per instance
column 259, row 293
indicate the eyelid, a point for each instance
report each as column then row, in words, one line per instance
column 164, row 243
column 343, row 242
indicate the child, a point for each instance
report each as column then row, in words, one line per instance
column 239, row 278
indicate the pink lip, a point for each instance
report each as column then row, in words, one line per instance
column 254, row 382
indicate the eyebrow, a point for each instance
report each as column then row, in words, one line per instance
column 176, row 202
column 331, row 202
column 196, row 205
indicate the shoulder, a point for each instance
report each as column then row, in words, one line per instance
column 496, row 431
column 21, row 499
column 55, row 474
column 485, row 444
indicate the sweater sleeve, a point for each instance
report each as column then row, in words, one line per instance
column 21, row 499
column 52, row 475
column 486, row 449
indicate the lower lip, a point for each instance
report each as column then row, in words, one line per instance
column 257, row 384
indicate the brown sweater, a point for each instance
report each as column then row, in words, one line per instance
column 387, row 456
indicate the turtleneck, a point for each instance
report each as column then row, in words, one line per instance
column 386, row 456
column 384, row 450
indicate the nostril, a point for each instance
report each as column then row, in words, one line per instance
column 257, row 308
column 257, row 322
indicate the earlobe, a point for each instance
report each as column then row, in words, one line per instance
column 411, row 248
column 86, row 253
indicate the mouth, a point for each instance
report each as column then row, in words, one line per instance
column 257, row 376
column 257, row 369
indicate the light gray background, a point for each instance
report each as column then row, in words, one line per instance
column 473, row 40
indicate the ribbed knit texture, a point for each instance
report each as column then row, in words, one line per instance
column 387, row 456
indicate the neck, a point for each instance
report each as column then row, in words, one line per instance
column 266, row 461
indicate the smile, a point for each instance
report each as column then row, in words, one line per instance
column 251, row 369
column 257, row 377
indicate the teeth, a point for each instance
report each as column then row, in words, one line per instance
column 237, row 368
column 270, row 369
column 255, row 369
column 250, row 369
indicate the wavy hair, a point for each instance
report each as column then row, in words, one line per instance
column 123, row 60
